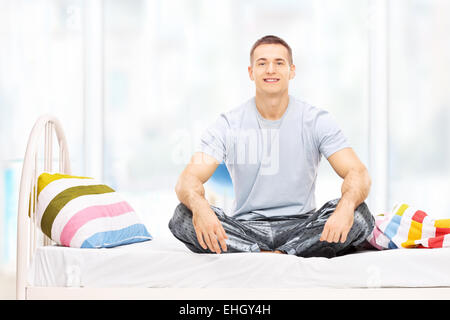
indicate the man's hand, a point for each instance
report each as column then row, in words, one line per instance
column 355, row 189
column 209, row 230
column 338, row 225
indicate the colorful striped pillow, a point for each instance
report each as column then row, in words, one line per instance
column 80, row 212
column 407, row 227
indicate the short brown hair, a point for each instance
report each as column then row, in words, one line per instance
column 271, row 40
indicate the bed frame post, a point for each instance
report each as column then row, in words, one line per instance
column 27, row 235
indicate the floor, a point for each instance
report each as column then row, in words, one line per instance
column 7, row 286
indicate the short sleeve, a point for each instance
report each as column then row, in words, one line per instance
column 328, row 136
column 213, row 139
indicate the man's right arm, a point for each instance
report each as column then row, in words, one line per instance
column 191, row 193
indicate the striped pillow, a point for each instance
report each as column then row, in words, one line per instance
column 80, row 212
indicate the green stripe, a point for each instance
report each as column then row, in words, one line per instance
column 46, row 178
column 63, row 198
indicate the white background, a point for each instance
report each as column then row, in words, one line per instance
column 134, row 84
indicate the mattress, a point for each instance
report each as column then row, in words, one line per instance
column 165, row 262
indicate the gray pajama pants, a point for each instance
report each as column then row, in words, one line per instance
column 298, row 235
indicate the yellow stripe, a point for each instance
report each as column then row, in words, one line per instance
column 442, row 223
column 409, row 244
column 415, row 233
column 402, row 209
column 45, row 178
column 29, row 202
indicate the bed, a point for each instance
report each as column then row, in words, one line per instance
column 164, row 268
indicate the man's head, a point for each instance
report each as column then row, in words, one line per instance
column 271, row 65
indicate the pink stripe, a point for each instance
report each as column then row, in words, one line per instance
column 373, row 241
column 91, row 213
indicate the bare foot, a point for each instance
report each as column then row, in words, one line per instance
column 276, row 251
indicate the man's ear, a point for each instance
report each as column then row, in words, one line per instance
column 292, row 72
column 250, row 72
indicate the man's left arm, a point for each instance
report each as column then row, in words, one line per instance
column 355, row 189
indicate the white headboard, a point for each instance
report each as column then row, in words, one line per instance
column 29, row 235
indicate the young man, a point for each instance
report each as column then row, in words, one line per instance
column 272, row 145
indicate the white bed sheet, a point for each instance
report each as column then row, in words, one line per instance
column 165, row 262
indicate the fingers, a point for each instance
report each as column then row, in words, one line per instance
column 212, row 240
column 210, row 232
column 332, row 234
column 335, row 237
column 218, row 238
column 336, row 229
column 208, row 242
column 329, row 235
column 200, row 238
column 344, row 237
column 215, row 245
column 325, row 232
column 222, row 238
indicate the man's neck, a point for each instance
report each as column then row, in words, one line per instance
column 272, row 107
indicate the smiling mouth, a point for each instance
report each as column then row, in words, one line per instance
column 271, row 80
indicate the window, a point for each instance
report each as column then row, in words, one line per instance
column 419, row 166
column 42, row 72
column 171, row 67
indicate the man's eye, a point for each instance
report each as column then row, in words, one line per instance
column 260, row 64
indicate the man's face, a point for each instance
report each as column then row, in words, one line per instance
column 270, row 68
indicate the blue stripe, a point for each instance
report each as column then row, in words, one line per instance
column 392, row 245
column 108, row 239
column 392, row 227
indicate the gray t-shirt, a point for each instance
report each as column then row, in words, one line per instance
column 273, row 164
